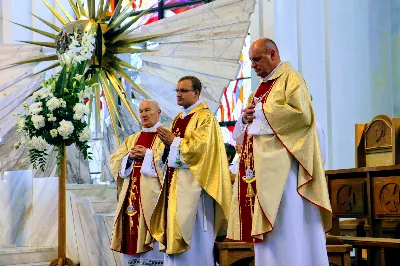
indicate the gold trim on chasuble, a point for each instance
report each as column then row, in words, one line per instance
column 134, row 193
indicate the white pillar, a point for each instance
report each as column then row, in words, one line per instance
column 7, row 32
column 262, row 25
column 395, row 43
column 20, row 14
column 285, row 30
column 1, row 22
column 311, row 57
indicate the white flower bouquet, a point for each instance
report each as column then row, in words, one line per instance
column 58, row 113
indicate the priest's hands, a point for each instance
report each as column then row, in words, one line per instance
column 248, row 114
column 137, row 153
column 233, row 177
column 165, row 135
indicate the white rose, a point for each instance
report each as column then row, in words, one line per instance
column 53, row 103
column 36, row 95
column 27, row 143
column 51, row 118
column 54, row 133
column 85, row 93
column 65, row 129
column 80, row 109
column 38, row 121
column 39, row 143
column 35, row 108
column 46, row 93
column 85, row 135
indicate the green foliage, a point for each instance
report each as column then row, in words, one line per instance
column 38, row 159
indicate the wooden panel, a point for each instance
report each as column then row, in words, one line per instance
column 380, row 159
column 340, row 172
column 347, row 197
column 367, row 242
column 386, row 196
column 378, row 135
column 396, row 140
column 360, row 154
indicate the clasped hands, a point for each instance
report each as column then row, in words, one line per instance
column 138, row 152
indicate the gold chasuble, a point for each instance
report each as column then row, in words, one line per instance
column 286, row 105
column 203, row 151
column 137, row 197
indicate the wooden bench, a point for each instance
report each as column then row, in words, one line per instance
column 338, row 251
column 368, row 242
column 370, row 194
column 381, row 251
column 339, row 254
column 227, row 253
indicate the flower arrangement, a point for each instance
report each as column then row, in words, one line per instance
column 57, row 113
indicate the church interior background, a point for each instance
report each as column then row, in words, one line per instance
column 348, row 52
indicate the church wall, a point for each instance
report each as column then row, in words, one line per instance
column 344, row 49
column 395, row 50
column 360, row 69
column 19, row 12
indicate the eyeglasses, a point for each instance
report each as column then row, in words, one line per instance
column 182, row 90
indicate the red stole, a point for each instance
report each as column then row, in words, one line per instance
column 131, row 223
column 247, row 187
column 178, row 129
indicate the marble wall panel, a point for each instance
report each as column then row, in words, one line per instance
column 91, row 234
column 16, row 203
column 105, row 240
column 45, row 212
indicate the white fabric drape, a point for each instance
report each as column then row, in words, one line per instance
column 298, row 237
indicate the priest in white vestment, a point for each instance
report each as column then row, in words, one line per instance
column 280, row 200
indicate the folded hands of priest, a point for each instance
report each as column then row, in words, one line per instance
column 137, row 152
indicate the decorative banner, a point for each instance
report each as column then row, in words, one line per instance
column 227, row 104
column 111, row 9
column 222, row 113
column 137, row 5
